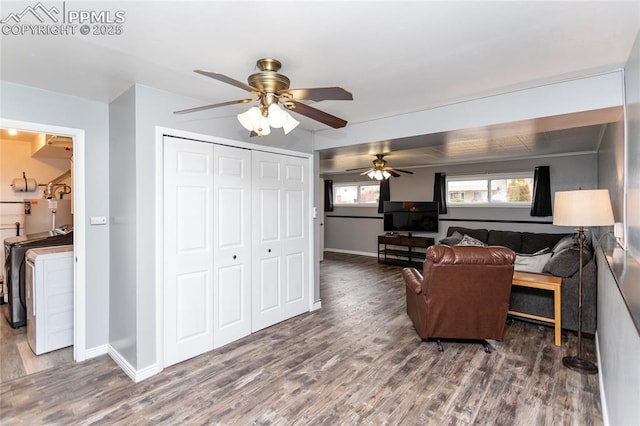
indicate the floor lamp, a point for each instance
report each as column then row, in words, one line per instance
column 582, row 208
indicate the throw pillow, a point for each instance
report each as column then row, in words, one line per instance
column 565, row 263
column 531, row 262
column 452, row 240
column 470, row 241
column 567, row 242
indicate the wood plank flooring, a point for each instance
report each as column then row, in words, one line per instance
column 355, row 361
column 16, row 357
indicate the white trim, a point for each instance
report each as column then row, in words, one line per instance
column 79, row 223
column 316, row 306
column 603, row 398
column 159, row 254
column 312, row 215
column 129, row 370
column 361, row 253
column 97, row 351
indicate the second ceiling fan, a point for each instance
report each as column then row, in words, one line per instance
column 380, row 170
column 272, row 91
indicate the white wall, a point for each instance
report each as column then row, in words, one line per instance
column 34, row 105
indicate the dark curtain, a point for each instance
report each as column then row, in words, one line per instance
column 328, row 195
column 541, row 203
column 440, row 192
column 385, row 194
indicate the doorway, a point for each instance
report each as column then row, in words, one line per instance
column 73, row 139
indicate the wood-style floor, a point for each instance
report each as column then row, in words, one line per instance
column 355, row 361
column 16, row 357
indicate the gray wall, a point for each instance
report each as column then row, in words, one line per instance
column 359, row 235
column 122, row 161
column 41, row 106
column 143, row 108
column 632, row 93
column 618, row 335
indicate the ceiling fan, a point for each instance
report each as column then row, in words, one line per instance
column 272, row 91
column 380, row 170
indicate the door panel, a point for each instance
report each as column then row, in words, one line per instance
column 280, row 238
column 232, row 242
column 188, row 258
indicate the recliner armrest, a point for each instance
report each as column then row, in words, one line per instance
column 413, row 279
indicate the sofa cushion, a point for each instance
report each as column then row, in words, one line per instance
column 531, row 262
column 533, row 242
column 565, row 263
column 470, row 241
column 452, row 240
column 478, row 234
column 509, row 239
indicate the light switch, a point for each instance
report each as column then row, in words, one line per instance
column 98, row 220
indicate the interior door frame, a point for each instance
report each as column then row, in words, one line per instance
column 160, row 132
column 79, row 223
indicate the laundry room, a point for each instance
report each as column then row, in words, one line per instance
column 37, row 272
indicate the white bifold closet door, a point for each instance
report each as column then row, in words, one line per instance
column 207, row 287
column 280, row 241
column 232, row 244
column 188, row 245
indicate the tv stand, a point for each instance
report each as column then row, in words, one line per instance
column 403, row 250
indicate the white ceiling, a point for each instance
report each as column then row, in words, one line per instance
column 395, row 57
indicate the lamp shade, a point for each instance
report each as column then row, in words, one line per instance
column 277, row 116
column 250, row 119
column 290, row 124
column 585, row 207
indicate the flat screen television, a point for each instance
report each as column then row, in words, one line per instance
column 410, row 216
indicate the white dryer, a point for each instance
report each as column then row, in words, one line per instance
column 49, row 288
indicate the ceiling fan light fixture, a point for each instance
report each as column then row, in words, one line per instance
column 290, row 124
column 250, row 119
column 277, row 116
column 263, row 128
column 386, row 174
column 371, row 174
column 378, row 175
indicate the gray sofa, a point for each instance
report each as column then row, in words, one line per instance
column 563, row 262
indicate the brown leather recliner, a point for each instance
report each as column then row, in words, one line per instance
column 463, row 293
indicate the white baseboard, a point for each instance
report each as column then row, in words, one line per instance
column 360, row 253
column 97, row 351
column 603, row 398
column 135, row 375
column 316, row 305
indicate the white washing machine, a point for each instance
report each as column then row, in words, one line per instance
column 49, row 288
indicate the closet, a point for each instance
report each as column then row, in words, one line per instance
column 236, row 243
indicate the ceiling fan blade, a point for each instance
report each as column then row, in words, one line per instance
column 228, row 80
column 202, row 108
column 366, row 172
column 317, row 94
column 358, row 168
column 403, row 171
column 315, row 114
column 393, row 173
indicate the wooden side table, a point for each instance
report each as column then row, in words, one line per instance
column 544, row 282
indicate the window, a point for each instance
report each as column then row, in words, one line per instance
column 356, row 194
column 504, row 189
